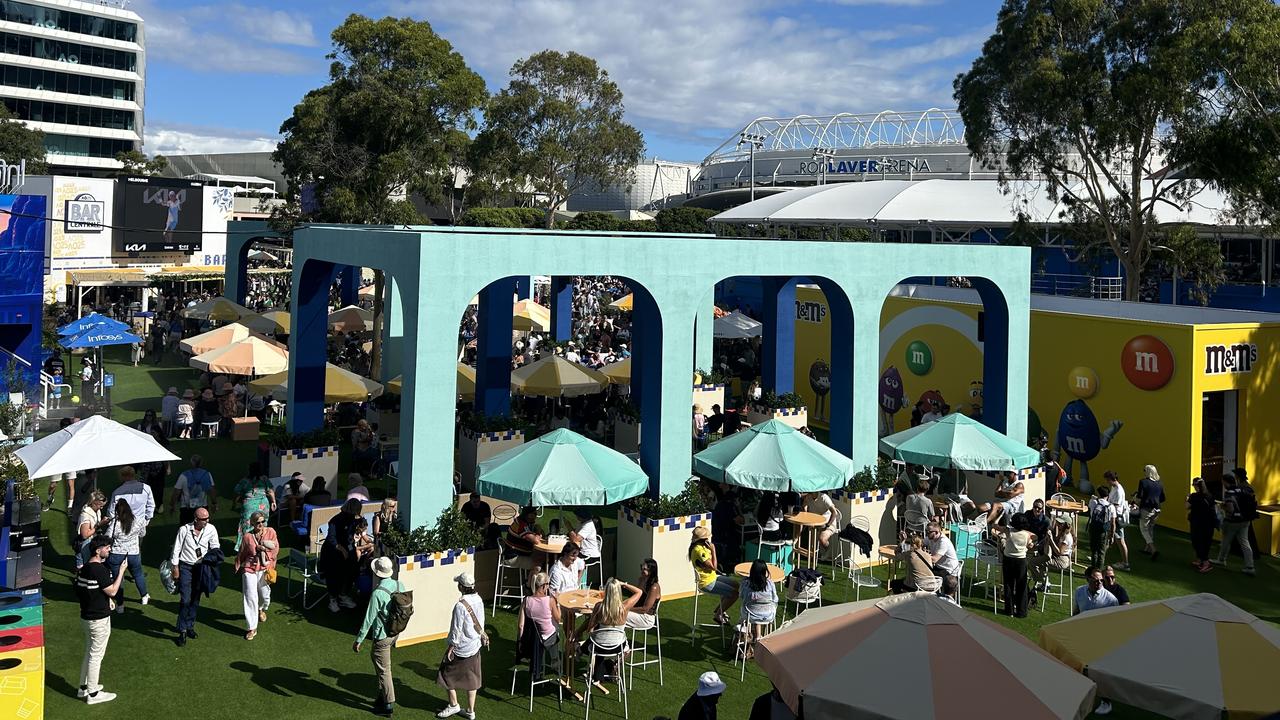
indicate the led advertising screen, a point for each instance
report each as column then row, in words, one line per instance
column 158, row 215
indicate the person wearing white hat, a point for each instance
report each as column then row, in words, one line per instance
column 701, row 705
column 460, row 667
column 376, row 628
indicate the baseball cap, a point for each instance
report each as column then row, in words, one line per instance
column 465, row 579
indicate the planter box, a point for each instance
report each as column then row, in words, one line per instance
column 708, row 394
column 796, row 417
column 430, row 577
column 626, row 436
column 665, row 540
column 1267, row 529
column 311, row 462
column 877, row 506
column 475, row 448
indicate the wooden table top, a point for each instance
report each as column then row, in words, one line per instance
column 1075, row 507
column 888, row 551
column 580, row 600
column 806, row 519
column 744, row 570
column 548, row 549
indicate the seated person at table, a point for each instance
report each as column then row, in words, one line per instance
column 1056, row 552
column 916, row 562
column 480, row 515
column 1010, row 499
column 521, row 537
column 649, row 592
column 387, row 516
column 820, row 503
column 586, row 533
column 295, row 489
column 726, row 524
column 769, row 514
column 542, row 612
column 950, row 590
column 702, row 555
column 566, row 571
column 318, row 495
column 605, row 628
column 759, row 601
column 1038, row 522
column 942, row 552
column 968, row 508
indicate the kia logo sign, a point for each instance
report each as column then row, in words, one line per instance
column 1147, row 362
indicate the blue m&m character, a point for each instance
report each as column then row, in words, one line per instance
column 1080, row 438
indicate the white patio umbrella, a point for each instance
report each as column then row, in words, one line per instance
column 735, row 325
column 94, row 443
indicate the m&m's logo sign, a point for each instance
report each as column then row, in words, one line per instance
column 1147, row 362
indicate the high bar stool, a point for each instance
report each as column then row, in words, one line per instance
column 643, row 648
column 693, row 626
column 501, row 589
column 618, row 676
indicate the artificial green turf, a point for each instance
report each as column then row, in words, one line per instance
column 301, row 664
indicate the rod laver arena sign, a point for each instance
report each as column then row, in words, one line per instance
column 878, row 166
column 1238, row 358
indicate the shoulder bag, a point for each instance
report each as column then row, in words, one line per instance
column 484, row 637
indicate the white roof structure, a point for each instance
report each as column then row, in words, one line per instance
column 939, row 202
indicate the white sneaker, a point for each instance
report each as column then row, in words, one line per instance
column 346, row 602
column 449, row 711
column 468, row 715
column 146, row 599
column 1104, row 708
column 100, row 697
column 333, row 605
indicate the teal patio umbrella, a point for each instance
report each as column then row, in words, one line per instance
column 774, row 456
column 561, row 468
column 958, row 441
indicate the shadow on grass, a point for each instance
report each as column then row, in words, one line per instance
column 291, row 682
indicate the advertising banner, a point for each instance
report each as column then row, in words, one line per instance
column 159, row 215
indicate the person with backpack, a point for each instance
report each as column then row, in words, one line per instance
column 1239, row 509
column 1102, row 522
column 193, row 489
column 388, row 614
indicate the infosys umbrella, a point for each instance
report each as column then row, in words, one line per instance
column 75, row 327
column 92, row 443
column 100, row 335
column 959, row 441
column 1195, row 657
column 774, row 456
column 914, row 656
column 558, row 469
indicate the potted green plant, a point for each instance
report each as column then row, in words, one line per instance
column 427, row 559
column 313, row 453
column 483, row 436
column 661, row 528
column 787, row 407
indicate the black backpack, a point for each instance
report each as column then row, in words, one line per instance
column 399, row 611
column 1247, row 504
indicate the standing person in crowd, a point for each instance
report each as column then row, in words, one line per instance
column 375, row 628
column 169, row 411
column 1102, row 520
column 460, row 669
column 1113, row 587
column 126, row 533
column 138, row 494
column 1017, row 541
column 253, row 494
column 96, row 590
column 90, row 523
column 1120, row 509
column 701, row 705
column 1202, row 520
column 258, row 550
column 338, row 556
column 1239, row 509
column 193, row 542
column 1148, row 499
column 186, row 414
column 193, row 489
column 702, row 555
column 586, row 533
column 87, row 383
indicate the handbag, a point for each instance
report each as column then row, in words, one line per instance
column 484, row 637
column 270, row 575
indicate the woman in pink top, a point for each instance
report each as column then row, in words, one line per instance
column 544, row 612
column 258, row 550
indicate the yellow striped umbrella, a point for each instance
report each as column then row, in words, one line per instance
column 217, row 337
column 254, row 355
column 219, row 309
column 553, row 376
column 530, row 316
column 619, row 373
column 624, row 302
column 1195, row 656
column 271, row 321
column 351, row 319
column 466, row 382
column 339, row 385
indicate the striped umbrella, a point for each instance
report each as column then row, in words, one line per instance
column 915, row 656
column 619, row 373
column 219, row 309
column 251, row 356
column 1195, row 657
column 218, row 337
column 553, row 376
column 529, row 316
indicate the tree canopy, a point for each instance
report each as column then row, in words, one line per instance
column 385, row 124
column 558, row 127
column 135, row 162
column 1088, row 94
column 19, row 142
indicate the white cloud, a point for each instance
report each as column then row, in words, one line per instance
column 274, row 26
column 189, row 140
column 197, row 38
column 898, row 3
column 710, row 65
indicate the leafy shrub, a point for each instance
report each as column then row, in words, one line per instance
column 683, row 220
column 773, row 400
column 689, row 501
column 282, row 439
column 509, row 217
column 452, row 530
column 480, row 423
column 593, row 220
column 714, row 377
column 866, row 479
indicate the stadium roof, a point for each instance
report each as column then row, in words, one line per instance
column 842, row 131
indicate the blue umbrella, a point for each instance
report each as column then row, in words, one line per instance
column 101, row 335
column 75, row 327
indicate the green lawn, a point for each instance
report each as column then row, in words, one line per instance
column 301, row 664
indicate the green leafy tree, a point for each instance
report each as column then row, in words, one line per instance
column 593, row 220
column 387, row 123
column 558, row 127
column 1195, row 260
column 506, row 217
column 137, row 163
column 1085, row 93
column 684, row 220
column 19, row 142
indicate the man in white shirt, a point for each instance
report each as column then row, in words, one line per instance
column 566, row 571
column 189, row 547
column 1121, row 509
column 572, row 355
column 942, row 552
column 1010, row 499
column 1093, row 595
column 136, row 493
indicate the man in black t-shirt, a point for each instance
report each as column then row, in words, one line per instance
column 95, row 588
column 1115, row 588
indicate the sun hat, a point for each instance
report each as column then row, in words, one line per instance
column 382, row 567
column 172, row 390
column 701, row 533
column 465, row 579
column 188, row 394
column 709, row 683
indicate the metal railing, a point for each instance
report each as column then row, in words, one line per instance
column 1101, row 288
column 46, row 385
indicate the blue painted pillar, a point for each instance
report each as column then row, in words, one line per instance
column 779, row 339
column 840, row 398
column 646, row 384
column 392, row 329
column 349, row 285
column 995, row 359
column 703, row 336
column 561, row 308
column 493, row 348
column 524, row 287
column 307, row 344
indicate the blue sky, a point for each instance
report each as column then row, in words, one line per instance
column 223, row 76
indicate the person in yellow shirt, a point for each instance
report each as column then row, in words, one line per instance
column 702, row 555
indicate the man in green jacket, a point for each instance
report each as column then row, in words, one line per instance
column 374, row 628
